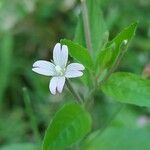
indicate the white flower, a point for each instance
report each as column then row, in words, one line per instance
column 58, row 69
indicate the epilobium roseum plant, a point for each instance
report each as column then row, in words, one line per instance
column 101, row 59
column 58, row 68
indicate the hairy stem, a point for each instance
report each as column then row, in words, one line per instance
column 86, row 25
column 70, row 87
column 87, row 32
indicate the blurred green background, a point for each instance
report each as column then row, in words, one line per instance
column 28, row 31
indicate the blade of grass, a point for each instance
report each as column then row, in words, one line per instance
column 31, row 115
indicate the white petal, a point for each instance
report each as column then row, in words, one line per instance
column 64, row 55
column 73, row 74
column 75, row 67
column 57, row 54
column 53, row 85
column 74, row 70
column 56, row 84
column 60, row 84
column 44, row 67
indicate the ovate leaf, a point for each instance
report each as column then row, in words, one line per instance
column 79, row 53
column 128, row 88
column 119, row 139
column 70, row 124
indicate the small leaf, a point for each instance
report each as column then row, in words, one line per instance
column 128, row 88
column 110, row 54
column 70, row 124
column 118, row 139
column 79, row 53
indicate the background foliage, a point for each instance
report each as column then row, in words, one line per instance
column 28, row 31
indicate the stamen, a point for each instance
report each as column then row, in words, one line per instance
column 59, row 70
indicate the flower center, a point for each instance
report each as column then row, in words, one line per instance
column 59, row 70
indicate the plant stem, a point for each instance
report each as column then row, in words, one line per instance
column 70, row 87
column 87, row 31
column 32, row 118
column 86, row 25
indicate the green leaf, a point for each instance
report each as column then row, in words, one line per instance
column 128, row 88
column 79, row 53
column 97, row 29
column 126, row 34
column 70, row 124
column 119, row 139
column 23, row 146
column 116, row 48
